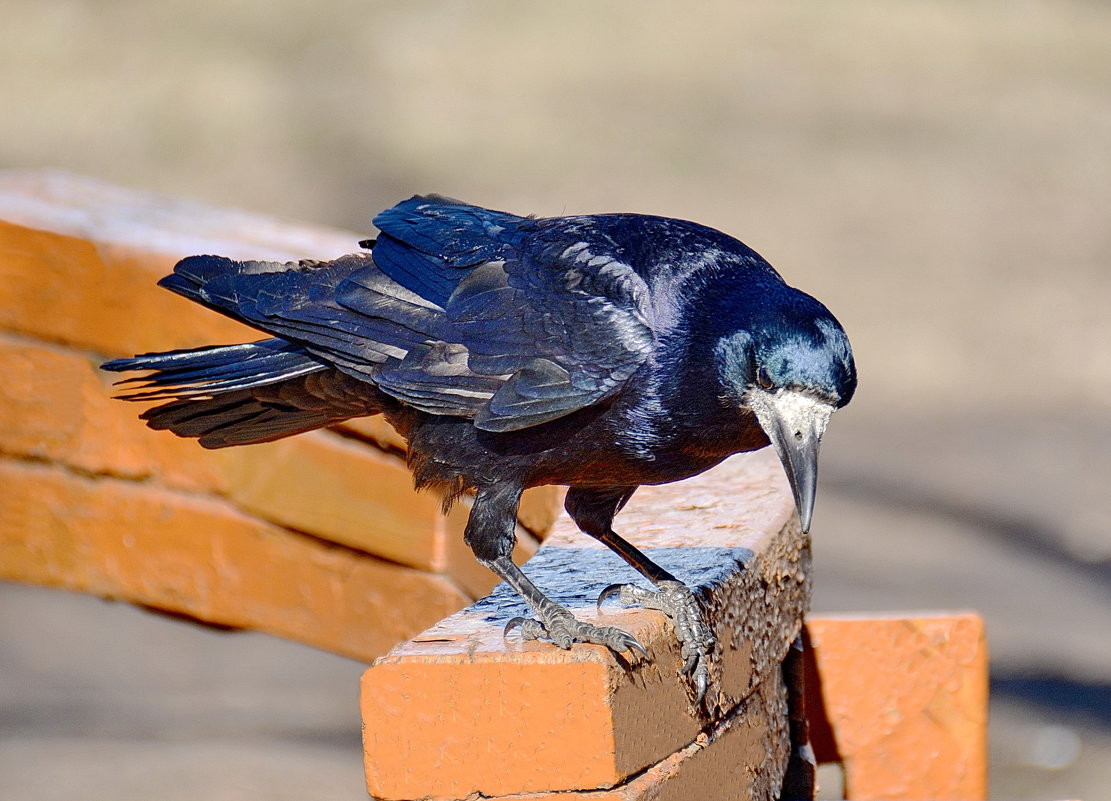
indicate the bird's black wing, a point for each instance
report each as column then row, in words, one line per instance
column 458, row 311
column 298, row 302
column 542, row 321
column 385, row 328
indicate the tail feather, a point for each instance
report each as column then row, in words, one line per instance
column 204, row 371
column 243, row 394
column 235, row 418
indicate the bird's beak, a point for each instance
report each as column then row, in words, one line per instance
column 794, row 422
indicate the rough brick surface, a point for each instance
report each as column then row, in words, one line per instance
column 739, row 757
column 201, row 557
column 77, row 292
column 55, row 405
column 906, row 702
column 579, row 719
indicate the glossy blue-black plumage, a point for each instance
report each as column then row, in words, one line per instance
column 427, row 244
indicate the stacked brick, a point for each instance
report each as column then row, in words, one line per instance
column 901, row 703
column 319, row 538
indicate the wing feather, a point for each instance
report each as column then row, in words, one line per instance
column 457, row 310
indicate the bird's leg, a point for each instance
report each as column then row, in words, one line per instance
column 593, row 511
column 491, row 534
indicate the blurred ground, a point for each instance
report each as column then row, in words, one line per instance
column 937, row 173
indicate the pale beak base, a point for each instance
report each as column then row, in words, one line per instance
column 794, row 422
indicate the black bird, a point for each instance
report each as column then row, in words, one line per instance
column 599, row 352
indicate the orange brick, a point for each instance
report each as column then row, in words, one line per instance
column 577, row 719
column 540, row 508
column 68, row 290
column 377, row 430
column 55, row 405
column 741, row 758
column 545, row 714
column 906, row 703
column 341, row 491
column 201, row 558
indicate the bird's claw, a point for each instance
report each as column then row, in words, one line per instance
column 609, row 592
column 690, row 665
column 530, row 629
column 563, row 629
column 632, row 644
column 698, row 669
column 675, row 600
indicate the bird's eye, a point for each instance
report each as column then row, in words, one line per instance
column 763, row 379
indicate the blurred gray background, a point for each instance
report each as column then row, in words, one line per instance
column 938, row 173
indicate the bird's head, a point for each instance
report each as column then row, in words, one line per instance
column 788, row 361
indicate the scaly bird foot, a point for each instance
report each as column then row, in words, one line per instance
column 563, row 629
column 675, row 600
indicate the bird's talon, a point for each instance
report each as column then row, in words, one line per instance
column 563, row 630
column 701, row 683
column 609, row 592
column 675, row 600
column 634, row 645
column 691, row 664
column 530, row 629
